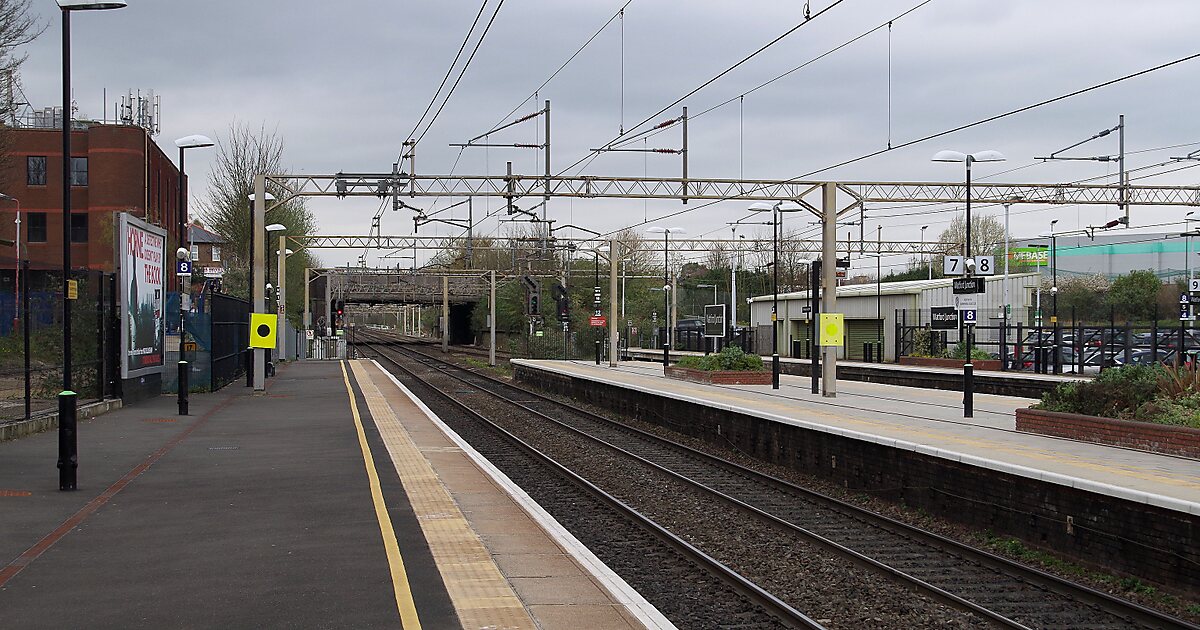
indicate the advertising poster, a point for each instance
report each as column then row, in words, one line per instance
column 142, row 296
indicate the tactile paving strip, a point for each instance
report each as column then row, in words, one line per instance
column 482, row 596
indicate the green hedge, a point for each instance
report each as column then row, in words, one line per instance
column 731, row 358
column 1147, row 393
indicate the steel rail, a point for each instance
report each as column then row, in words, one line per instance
column 1119, row 607
column 769, row 603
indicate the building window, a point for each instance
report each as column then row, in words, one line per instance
column 79, row 228
column 216, row 253
column 195, row 253
column 35, row 231
column 35, row 170
column 79, row 171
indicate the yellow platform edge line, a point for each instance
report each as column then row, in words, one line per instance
column 404, row 600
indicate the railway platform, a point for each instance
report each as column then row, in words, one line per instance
column 332, row 500
column 1133, row 510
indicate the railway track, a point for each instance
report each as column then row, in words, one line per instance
column 990, row 587
column 713, row 590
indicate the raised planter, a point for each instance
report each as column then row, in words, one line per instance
column 979, row 364
column 1145, row 436
column 719, row 377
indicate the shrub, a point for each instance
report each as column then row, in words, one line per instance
column 730, row 358
column 1116, row 393
column 959, row 351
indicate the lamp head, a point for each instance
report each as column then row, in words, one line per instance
column 182, row 254
column 269, row 287
column 666, row 287
column 86, row 5
column 276, row 227
column 194, row 142
column 1053, row 290
column 268, row 196
column 970, row 264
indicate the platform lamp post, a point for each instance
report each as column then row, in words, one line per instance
column 16, row 243
column 666, row 232
column 187, row 142
column 274, row 227
column 775, row 209
column 250, row 283
column 968, row 159
column 68, row 453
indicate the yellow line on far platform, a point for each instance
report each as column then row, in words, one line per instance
column 404, row 600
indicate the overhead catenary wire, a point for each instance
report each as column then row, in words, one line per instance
column 714, row 79
column 932, row 136
column 462, row 72
column 778, row 77
column 449, row 70
column 533, row 95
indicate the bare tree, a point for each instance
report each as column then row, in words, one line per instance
column 242, row 154
column 18, row 26
column 987, row 233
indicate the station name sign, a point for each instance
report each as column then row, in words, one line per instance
column 963, row 286
column 943, row 318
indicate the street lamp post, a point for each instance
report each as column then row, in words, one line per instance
column 17, row 258
column 775, row 209
column 184, row 143
column 968, row 159
column 666, row 232
column 68, row 453
column 930, row 260
column 274, row 227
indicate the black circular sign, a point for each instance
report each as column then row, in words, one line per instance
column 264, row 330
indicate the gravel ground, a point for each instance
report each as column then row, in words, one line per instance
column 821, row 584
column 1183, row 607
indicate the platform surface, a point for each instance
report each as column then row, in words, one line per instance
column 289, row 508
column 929, row 421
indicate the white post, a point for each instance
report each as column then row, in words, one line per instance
column 281, row 303
column 259, row 263
column 829, row 282
column 733, row 262
column 614, row 330
column 492, row 321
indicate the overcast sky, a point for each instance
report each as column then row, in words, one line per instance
column 344, row 83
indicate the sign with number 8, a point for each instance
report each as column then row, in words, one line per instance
column 985, row 265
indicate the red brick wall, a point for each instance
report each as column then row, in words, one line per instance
column 117, row 182
column 1159, row 438
column 719, row 377
column 979, row 364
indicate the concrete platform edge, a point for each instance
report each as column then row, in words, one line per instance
column 618, row 589
column 1136, row 496
column 46, row 422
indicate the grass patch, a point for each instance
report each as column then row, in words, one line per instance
column 501, row 368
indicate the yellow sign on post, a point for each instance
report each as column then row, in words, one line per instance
column 262, row 330
column 72, row 289
column 833, row 329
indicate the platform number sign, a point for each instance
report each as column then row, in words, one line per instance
column 954, row 266
column 1194, row 285
column 985, row 265
column 970, row 316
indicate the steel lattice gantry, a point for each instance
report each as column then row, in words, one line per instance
column 441, row 243
column 598, row 187
column 513, row 187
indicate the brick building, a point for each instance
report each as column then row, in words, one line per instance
column 206, row 254
column 115, row 168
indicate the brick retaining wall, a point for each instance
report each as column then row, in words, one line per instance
column 1146, row 436
column 1129, row 537
column 719, row 377
column 991, row 365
